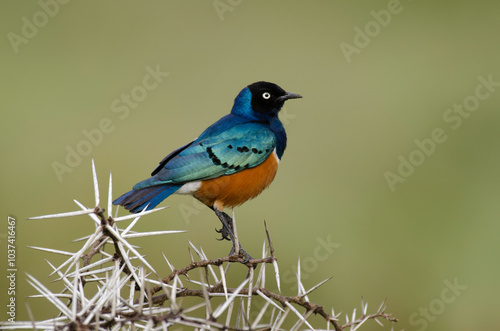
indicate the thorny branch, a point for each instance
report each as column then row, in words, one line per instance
column 118, row 256
column 108, row 309
column 215, row 262
column 218, row 288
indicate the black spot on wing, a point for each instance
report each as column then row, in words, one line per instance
column 257, row 151
column 225, row 165
column 243, row 149
column 213, row 157
column 217, row 161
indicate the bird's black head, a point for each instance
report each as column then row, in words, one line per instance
column 268, row 98
column 261, row 101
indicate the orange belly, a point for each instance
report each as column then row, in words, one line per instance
column 233, row 190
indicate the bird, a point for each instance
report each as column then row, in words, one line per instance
column 231, row 162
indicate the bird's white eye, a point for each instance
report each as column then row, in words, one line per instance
column 266, row 95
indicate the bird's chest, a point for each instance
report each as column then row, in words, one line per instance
column 233, row 190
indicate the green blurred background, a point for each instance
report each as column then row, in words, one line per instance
column 359, row 114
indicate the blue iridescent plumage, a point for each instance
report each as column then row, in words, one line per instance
column 241, row 140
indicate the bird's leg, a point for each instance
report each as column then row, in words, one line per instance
column 227, row 226
column 227, row 230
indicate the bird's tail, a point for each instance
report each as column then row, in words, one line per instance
column 136, row 200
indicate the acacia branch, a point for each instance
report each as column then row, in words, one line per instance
column 111, row 307
column 218, row 288
column 215, row 262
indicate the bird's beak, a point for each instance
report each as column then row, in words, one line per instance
column 289, row 95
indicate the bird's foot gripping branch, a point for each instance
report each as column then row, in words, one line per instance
column 109, row 285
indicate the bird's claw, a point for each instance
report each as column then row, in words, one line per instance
column 227, row 233
column 247, row 257
column 224, row 233
column 227, row 230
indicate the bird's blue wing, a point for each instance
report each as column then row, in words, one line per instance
column 244, row 145
column 169, row 157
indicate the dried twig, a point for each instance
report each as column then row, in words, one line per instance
column 118, row 272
